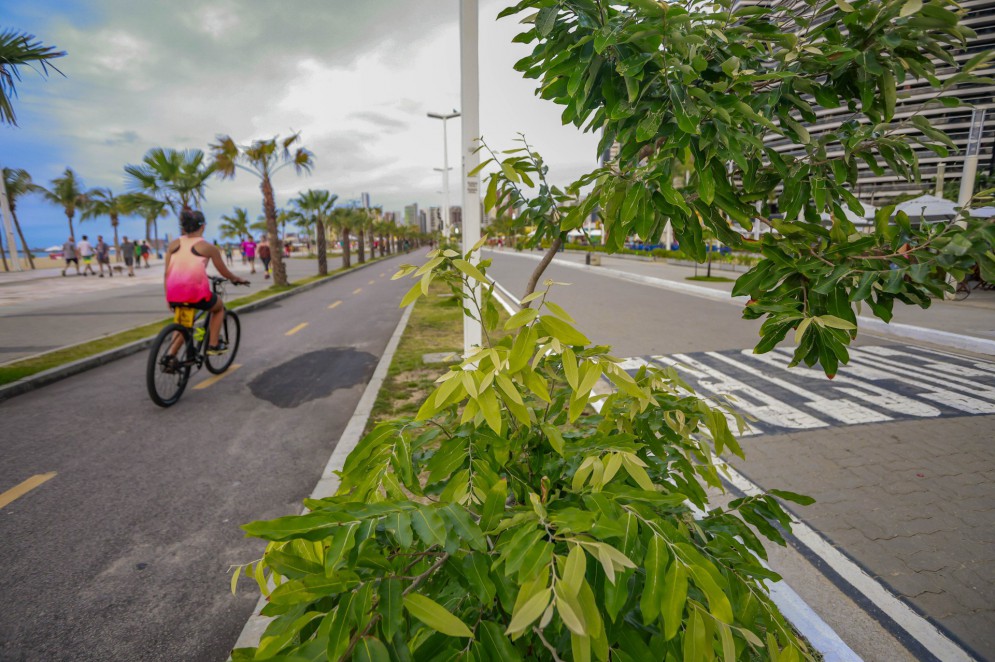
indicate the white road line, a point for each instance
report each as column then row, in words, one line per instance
column 850, row 385
column 764, row 408
column 953, row 369
column 843, row 410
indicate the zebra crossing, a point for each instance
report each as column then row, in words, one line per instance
column 881, row 383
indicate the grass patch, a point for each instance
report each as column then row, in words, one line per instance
column 435, row 325
column 711, row 279
column 27, row 367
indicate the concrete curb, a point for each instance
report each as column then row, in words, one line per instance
column 870, row 324
column 58, row 373
column 329, row 482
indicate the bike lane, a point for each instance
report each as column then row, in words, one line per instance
column 123, row 553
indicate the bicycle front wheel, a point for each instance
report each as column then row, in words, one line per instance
column 962, row 292
column 168, row 368
column 230, row 335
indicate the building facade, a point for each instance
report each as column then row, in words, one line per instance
column 937, row 172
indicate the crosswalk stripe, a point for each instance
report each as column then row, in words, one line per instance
column 881, row 383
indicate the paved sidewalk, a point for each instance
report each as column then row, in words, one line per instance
column 47, row 311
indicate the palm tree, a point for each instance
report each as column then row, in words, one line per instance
column 263, row 159
column 316, row 206
column 235, row 226
column 20, row 49
column 260, row 225
column 343, row 220
column 66, row 192
column 103, row 202
column 149, row 208
column 174, row 177
column 18, row 183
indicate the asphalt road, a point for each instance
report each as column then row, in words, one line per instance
column 124, row 553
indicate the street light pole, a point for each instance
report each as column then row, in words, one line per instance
column 971, row 156
column 470, row 100
column 445, row 165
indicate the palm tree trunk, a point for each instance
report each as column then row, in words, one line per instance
column 322, row 250
column 3, row 254
column 346, row 257
column 155, row 226
column 31, row 260
column 117, row 244
column 275, row 244
column 72, row 233
column 360, row 247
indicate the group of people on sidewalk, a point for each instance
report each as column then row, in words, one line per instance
column 132, row 251
column 250, row 250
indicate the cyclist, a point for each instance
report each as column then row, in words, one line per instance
column 186, row 275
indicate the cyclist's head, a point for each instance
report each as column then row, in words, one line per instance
column 191, row 220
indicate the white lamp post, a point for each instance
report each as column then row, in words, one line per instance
column 470, row 95
column 971, row 155
column 445, row 164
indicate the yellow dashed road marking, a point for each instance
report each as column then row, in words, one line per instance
column 371, row 282
column 210, row 381
column 25, row 487
column 334, row 304
column 357, row 290
column 381, row 275
column 296, row 329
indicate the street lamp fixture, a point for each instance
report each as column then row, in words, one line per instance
column 445, row 163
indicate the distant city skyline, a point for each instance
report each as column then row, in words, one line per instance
column 357, row 79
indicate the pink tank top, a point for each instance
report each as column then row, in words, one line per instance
column 186, row 279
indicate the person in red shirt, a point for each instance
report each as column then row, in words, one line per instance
column 264, row 255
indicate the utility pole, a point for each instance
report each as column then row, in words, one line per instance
column 8, row 226
column 445, row 165
column 470, row 95
column 971, row 155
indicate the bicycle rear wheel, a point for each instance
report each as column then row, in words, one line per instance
column 230, row 335
column 962, row 292
column 168, row 368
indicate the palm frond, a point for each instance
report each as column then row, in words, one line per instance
column 20, row 49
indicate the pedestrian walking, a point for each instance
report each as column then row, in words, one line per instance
column 228, row 254
column 128, row 251
column 103, row 253
column 138, row 254
column 241, row 249
column 264, row 255
column 249, row 247
column 287, row 248
column 70, row 255
column 146, row 250
column 85, row 250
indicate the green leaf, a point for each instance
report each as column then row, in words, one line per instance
column 429, row 526
column 521, row 318
column 496, row 643
column 802, row 327
column 532, row 609
column 411, row 296
column 558, row 311
column 571, row 613
column 470, row 270
column 562, row 331
column 494, row 505
column 434, row 615
column 573, row 571
column 675, row 592
column 390, row 606
column 570, row 368
column 800, row 499
column 844, row 5
column 509, row 172
column 370, row 649
column 546, row 19
column 655, row 564
column 910, row 7
column 834, row 322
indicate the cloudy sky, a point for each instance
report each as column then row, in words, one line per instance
column 356, row 78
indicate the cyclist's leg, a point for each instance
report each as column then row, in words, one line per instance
column 217, row 319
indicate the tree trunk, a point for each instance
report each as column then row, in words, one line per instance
column 543, row 263
column 117, row 244
column 20, row 234
column 72, row 232
column 322, row 251
column 383, row 249
column 360, row 245
column 275, row 245
column 346, row 258
column 3, row 254
column 155, row 226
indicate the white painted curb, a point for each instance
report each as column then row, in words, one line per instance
column 329, row 481
column 870, row 324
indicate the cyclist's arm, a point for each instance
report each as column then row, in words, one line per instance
column 216, row 259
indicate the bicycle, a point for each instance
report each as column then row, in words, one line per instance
column 182, row 344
